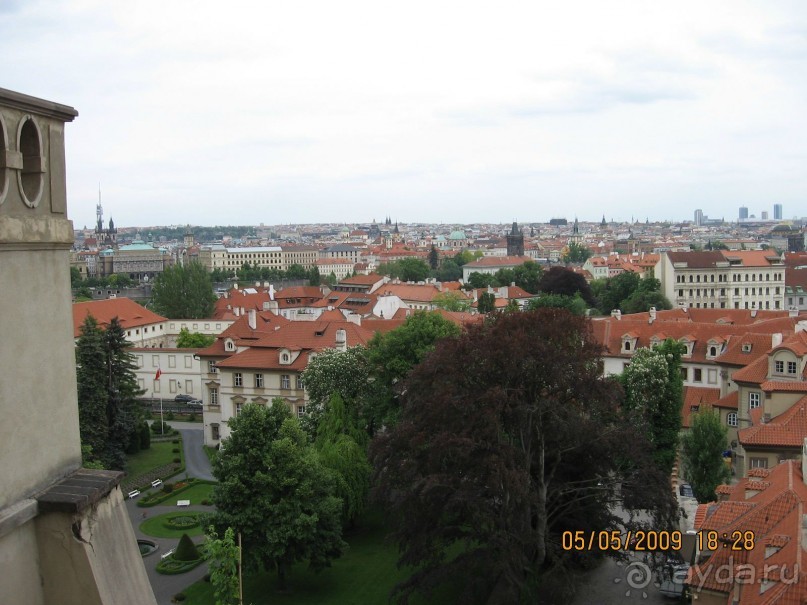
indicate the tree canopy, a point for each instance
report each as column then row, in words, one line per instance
column 393, row 354
column 193, row 340
column 406, row 269
column 110, row 420
column 508, row 436
column 184, row 292
column 576, row 253
column 451, row 300
column 274, row 491
column 702, row 450
column 654, row 394
column 560, row 280
column 630, row 293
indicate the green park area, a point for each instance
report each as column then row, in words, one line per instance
column 364, row 574
column 157, row 455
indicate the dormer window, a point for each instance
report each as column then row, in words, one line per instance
column 712, row 351
column 746, row 347
column 229, row 345
column 626, row 345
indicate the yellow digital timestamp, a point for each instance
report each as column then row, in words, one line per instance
column 639, row 540
column 655, row 540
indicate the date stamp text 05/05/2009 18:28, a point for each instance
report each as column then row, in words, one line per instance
column 652, row 540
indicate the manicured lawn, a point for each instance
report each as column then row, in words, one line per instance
column 154, row 526
column 157, row 455
column 365, row 574
column 196, row 493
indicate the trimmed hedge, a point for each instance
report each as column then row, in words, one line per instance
column 154, row 498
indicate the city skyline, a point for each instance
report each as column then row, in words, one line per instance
column 190, row 112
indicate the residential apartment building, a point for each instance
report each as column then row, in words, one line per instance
column 719, row 279
column 180, row 372
column 143, row 328
column 257, row 365
column 218, row 256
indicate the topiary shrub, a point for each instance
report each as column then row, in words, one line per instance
column 168, row 487
column 175, row 450
column 186, row 550
column 205, row 502
column 175, row 441
column 170, row 415
column 163, row 429
column 177, row 460
column 192, row 417
column 179, row 597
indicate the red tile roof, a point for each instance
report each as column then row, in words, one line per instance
column 730, row 401
column 755, row 373
column 695, row 397
column 788, row 429
column 773, row 511
column 129, row 313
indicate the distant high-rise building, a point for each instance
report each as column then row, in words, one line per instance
column 699, row 217
column 777, row 212
column 743, row 213
column 764, row 215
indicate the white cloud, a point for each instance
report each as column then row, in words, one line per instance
column 302, row 111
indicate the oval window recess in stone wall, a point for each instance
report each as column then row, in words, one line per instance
column 31, row 177
column 3, row 160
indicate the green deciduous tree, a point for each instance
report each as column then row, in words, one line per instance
column 654, row 394
column 702, row 450
column 509, row 435
column 560, row 280
column 451, row 300
column 393, row 354
column 184, row 292
column 193, row 340
column 479, row 280
column 576, row 253
column 574, row 304
column 528, row 276
column 333, row 371
column 342, row 447
column 223, row 558
column 486, row 303
column 274, row 491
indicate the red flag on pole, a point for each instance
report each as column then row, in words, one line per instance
column 159, row 372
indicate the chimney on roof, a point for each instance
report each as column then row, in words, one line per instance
column 776, row 339
column 652, row 313
column 235, row 311
column 253, row 319
column 616, row 314
column 266, row 284
column 341, row 340
column 271, row 292
column 766, row 418
column 804, row 460
column 792, row 311
column 257, row 284
column 355, row 318
column 753, row 312
column 801, row 326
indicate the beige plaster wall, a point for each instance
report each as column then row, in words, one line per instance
column 84, row 561
column 19, row 560
column 40, row 441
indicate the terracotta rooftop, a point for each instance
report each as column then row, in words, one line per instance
column 694, row 399
column 788, row 429
column 129, row 313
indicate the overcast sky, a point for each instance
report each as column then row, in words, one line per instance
column 456, row 112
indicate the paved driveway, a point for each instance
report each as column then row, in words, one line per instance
column 197, row 465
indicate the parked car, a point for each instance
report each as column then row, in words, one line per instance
column 184, row 398
column 195, row 403
column 685, row 490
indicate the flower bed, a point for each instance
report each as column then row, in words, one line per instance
column 183, row 520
